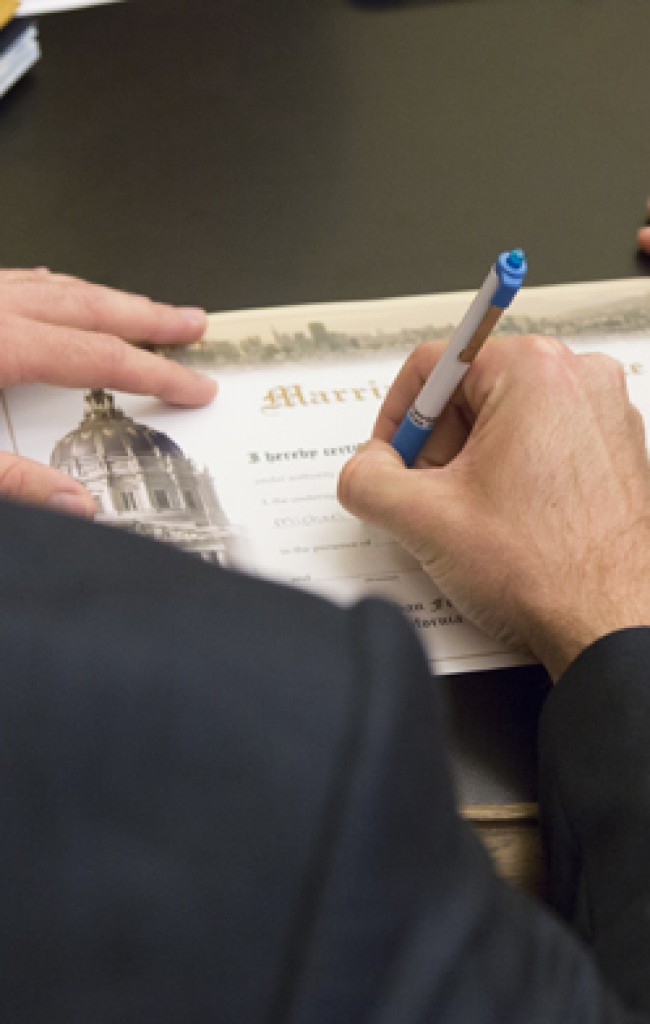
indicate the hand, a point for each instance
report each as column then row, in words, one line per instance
column 643, row 234
column 529, row 505
column 60, row 330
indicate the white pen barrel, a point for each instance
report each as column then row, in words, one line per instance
column 449, row 370
column 474, row 315
column 440, row 386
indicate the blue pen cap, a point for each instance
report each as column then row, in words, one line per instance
column 511, row 270
column 408, row 439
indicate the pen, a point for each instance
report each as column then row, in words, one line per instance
column 494, row 296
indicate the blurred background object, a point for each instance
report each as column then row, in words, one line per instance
column 19, row 46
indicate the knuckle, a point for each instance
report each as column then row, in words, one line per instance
column 91, row 303
column 608, row 369
column 542, row 345
column 344, row 483
column 351, row 483
column 68, row 279
column 64, row 281
column 83, row 299
column 543, row 357
column 615, row 369
column 113, row 354
column 514, row 350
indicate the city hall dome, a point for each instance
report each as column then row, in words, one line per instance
column 141, row 480
column 106, row 431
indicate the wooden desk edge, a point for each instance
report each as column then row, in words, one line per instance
column 488, row 813
column 510, row 834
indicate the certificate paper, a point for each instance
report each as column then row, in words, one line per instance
column 251, row 480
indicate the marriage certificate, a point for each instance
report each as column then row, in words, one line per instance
column 251, row 480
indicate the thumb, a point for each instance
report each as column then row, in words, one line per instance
column 376, row 486
column 31, row 482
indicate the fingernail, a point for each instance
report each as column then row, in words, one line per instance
column 195, row 317
column 72, row 504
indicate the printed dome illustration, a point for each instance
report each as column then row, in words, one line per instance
column 142, row 480
column 106, row 431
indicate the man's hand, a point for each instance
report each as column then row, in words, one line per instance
column 60, row 330
column 529, row 506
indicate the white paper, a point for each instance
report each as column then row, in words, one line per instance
column 301, row 388
column 28, row 8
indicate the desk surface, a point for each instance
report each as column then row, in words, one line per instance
column 236, row 153
column 239, row 153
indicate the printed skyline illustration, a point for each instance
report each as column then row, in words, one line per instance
column 318, row 341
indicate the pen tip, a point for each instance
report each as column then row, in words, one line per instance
column 516, row 258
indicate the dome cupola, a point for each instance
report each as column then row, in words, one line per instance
column 106, row 432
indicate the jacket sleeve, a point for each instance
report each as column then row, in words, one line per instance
column 595, row 799
column 411, row 922
column 226, row 800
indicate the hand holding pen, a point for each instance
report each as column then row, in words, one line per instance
column 500, row 510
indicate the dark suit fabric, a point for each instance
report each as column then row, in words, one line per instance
column 227, row 801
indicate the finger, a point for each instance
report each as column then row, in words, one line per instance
column 67, row 301
column 22, row 274
column 375, row 486
column 502, row 359
column 405, row 388
column 603, row 375
column 525, row 363
column 421, row 363
column 40, row 353
column 35, row 484
column 607, row 394
column 534, row 379
column 449, row 436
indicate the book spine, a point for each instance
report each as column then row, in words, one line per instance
column 7, row 10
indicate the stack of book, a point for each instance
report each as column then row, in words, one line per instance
column 19, row 47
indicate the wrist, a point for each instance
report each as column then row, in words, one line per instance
column 557, row 641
